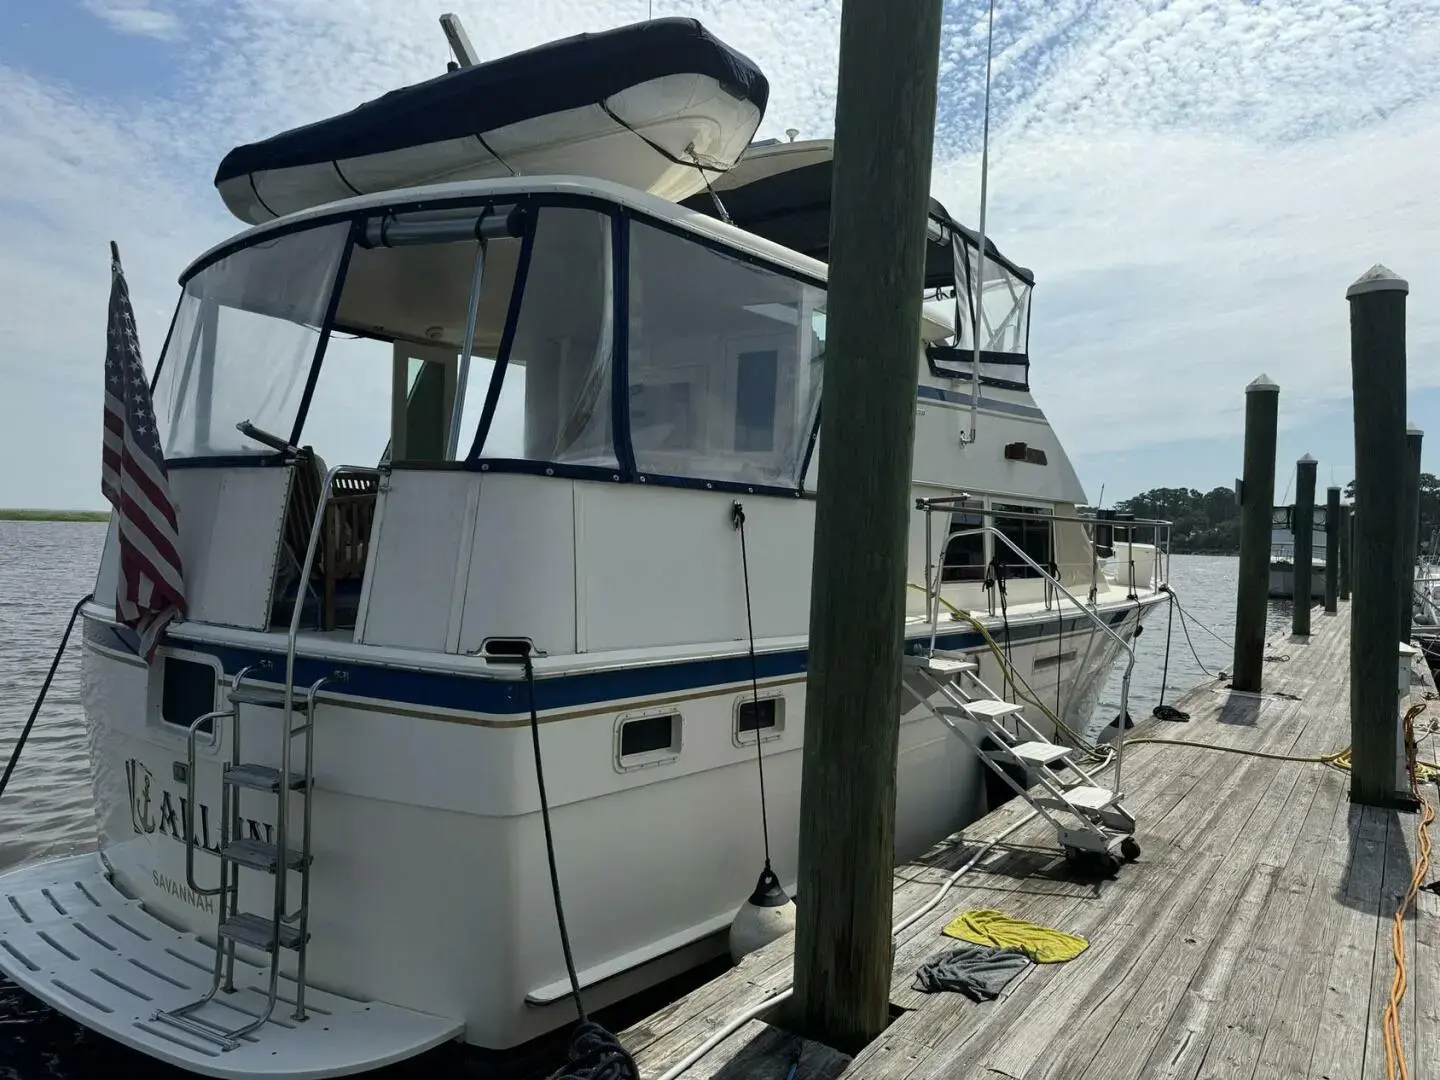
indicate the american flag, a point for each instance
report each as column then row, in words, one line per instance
column 151, row 589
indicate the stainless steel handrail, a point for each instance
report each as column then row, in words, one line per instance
column 1160, row 529
column 282, row 814
column 1086, row 610
column 190, row 800
column 287, row 733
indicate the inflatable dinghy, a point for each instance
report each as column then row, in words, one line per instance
column 649, row 105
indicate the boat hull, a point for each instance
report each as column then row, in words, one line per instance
column 430, row 888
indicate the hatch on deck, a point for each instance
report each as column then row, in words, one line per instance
column 69, row 937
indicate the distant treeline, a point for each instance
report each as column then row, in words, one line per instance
column 1205, row 522
column 1208, row 522
column 54, row 515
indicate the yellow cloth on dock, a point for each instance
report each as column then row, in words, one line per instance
column 995, row 928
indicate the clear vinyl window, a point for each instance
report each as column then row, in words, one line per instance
column 243, row 342
column 725, row 363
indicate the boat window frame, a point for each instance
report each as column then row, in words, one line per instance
column 327, row 326
column 937, row 354
column 533, row 203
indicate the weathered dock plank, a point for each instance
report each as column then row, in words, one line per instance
column 1250, row 939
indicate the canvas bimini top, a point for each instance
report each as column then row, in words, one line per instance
column 649, row 105
column 781, row 191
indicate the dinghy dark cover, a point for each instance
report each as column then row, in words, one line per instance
column 560, row 75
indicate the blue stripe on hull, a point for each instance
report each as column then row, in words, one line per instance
column 465, row 692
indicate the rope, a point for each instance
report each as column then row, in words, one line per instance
column 737, row 520
column 44, row 689
column 1395, row 1064
column 595, row 1053
column 1165, row 670
column 1185, row 619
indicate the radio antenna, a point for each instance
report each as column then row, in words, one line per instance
column 976, row 312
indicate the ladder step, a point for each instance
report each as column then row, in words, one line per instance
column 261, row 778
column 259, row 932
column 1038, row 753
column 942, row 667
column 1083, row 797
column 991, row 708
column 258, row 855
column 267, row 697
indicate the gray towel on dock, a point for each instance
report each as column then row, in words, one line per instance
column 979, row 972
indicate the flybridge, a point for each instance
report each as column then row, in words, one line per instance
column 781, row 191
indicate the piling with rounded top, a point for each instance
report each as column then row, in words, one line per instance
column 1257, row 496
column 1410, row 525
column 1377, row 374
column 1332, row 549
column 1302, row 527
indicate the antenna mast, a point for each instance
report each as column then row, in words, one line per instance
column 975, row 308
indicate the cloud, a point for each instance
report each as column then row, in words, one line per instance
column 137, row 17
column 1194, row 182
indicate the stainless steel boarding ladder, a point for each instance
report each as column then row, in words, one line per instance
column 1088, row 817
column 281, row 929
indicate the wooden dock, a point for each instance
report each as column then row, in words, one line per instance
column 1252, row 938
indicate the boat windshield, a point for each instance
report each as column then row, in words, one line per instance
column 243, row 343
column 717, row 381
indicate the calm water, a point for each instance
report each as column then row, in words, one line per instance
column 45, row 567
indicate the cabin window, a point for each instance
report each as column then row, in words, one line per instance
column 187, row 692
column 964, row 558
column 725, row 363
column 756, row 382
column 647, row 739
column 555, row 393
column 243, row 343
column 765, row 716
column 1029, row 529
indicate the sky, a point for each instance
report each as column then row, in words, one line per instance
column 1194, row 183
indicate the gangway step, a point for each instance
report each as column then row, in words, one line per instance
column 268, row 697
column 991, row 708
column 261, row 778
column 259, row 932
column 1083, row 797
column 942, row 667
column 258, row 855
column 1036, row 753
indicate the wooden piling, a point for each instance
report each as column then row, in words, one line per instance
column 1377, row 370
column 1332, row 549
column 1410, row 526
column 1303, row 529
column 1257, row 495
column 889, row 57
column 1347, row 548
